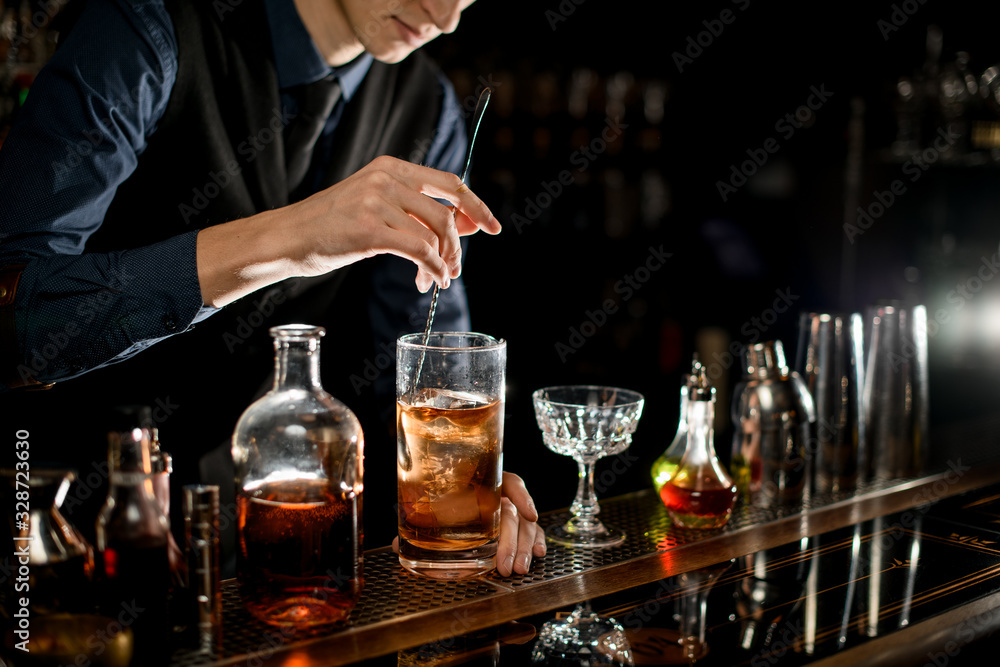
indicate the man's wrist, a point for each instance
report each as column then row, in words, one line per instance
column 238, row 258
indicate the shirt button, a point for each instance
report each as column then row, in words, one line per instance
column 168, row 322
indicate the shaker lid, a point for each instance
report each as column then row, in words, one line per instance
column 121, row 418
column 698, row 386
column 766, row 360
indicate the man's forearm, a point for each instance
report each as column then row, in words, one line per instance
column 240, row 257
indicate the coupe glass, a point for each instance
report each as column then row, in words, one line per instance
column 586, row 423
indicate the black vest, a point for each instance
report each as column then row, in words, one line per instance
column 218, row 154
column 202, row 159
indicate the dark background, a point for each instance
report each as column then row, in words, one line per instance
column 741, row 270
column 656, row 185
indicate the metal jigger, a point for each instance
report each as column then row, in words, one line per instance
column 201, row 531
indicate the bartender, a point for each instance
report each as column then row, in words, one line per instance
column 184, row 175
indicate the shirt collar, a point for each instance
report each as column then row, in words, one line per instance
column 296, row 57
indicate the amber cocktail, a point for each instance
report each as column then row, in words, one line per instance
column 449, row 431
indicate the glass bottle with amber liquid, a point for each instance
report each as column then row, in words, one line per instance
column 700, row 494
column 132, row 537
column 298, row 456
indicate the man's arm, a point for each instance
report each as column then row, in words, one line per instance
column 84, row 123
column 58, row 174
column 387, row 207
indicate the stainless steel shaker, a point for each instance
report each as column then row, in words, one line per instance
column 830, row 361
column 772, row 411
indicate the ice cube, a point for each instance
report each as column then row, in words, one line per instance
column 448, row 399
column 457, row 508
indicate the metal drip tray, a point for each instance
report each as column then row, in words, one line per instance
column 391, row 594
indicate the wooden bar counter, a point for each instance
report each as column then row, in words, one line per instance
column 899, row 572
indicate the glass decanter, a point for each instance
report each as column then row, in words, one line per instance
column 132, row 538
column 298, row 453
column 665, row 466
column 60, row 560
column 701, row 494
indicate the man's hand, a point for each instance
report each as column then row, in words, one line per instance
column 521, row 537
column 388, row 206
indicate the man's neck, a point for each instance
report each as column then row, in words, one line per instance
column 330, row 31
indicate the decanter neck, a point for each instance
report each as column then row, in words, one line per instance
column 701, row 431
column 296, row 364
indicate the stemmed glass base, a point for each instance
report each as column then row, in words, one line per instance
column 567, row 535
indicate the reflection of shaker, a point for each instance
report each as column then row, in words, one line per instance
column 769, row 600
column 772, row 410
column 201, row 532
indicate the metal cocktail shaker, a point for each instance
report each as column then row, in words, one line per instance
column 772, row 410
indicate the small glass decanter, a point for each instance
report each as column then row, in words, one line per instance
column 666, row 465
column 701, row 494
column 132, row 537
column 60, row 563
column 298, row 458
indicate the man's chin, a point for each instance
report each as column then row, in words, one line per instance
column 392, row 56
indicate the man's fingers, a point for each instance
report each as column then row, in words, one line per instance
column 507, row 547
column 423, row 280
column 513, row 487
column 444, row 185
column 539, row 548
column 415, row 249
column 466, row 225
column 526, row 534
column 436, row 218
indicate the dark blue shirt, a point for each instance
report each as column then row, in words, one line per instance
column 81, row 131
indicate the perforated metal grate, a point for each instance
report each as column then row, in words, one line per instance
column 391, row 593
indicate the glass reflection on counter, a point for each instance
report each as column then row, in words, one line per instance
column 582, row 639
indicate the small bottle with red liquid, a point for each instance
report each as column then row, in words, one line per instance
column 665, row 466
column 700, row 493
